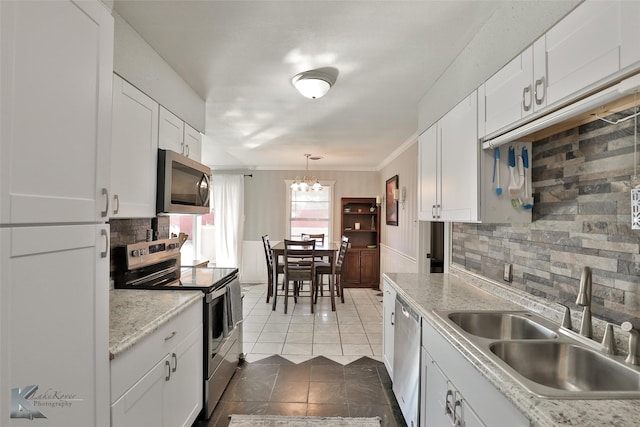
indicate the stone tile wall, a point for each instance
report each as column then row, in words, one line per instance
column 582, row 217
column 127, row 231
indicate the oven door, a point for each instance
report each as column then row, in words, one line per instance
column 215, row 321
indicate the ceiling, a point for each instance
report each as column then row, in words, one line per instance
column 240, row 56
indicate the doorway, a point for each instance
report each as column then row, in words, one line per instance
column 432, row 247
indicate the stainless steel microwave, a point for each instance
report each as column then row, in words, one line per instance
column 183, row 184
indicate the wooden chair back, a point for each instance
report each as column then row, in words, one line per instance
column 344, row 245
column 319, row 238
column 299, row 262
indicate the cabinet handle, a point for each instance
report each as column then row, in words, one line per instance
column 175, row 362
column 540, row 83
column 525, row 91
column 168, row 365
column 104, row 233
column 448, row 410
column 393, row 318
column 433, row 211
column 116, row 202
column 105, row 193
column 188, row 151
column 457, row 421
column 438, row 208
column 173, row 334
column 182, row 148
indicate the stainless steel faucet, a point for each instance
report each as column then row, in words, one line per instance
column 584, row 300
column 632, row 357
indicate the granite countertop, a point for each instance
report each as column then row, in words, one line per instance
column 460, row 291
column 136, row 313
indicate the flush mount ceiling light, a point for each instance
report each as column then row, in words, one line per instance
column 314, row 84
column 307, row 183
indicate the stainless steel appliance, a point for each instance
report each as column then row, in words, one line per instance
column 154, row 265
column 406, row 361
column 183, row 184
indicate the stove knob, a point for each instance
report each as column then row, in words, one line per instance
column 143, row 252
column 135, row 253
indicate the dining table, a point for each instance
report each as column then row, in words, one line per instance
column 322, row 250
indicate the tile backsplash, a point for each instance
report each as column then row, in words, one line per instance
column 127, row 231
column 582, row 217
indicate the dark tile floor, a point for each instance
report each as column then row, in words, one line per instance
column 319, row 387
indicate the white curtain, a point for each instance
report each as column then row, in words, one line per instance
column 228, row 212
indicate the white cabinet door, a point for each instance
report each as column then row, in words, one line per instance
column 171, row 132
column 193, row 143
column 509, row 93
column 142, row 404
column 583, row 48
column 134, row 152
column 434, row 395
column 460, row 166
column 54, row 331
column 183, row 391
column 428, row 173
column 57, row 64
column 388, row 308
column 630, row 50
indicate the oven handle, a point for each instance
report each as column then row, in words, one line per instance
column 215, row 294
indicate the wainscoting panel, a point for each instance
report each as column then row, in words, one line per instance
column 393, row 261
column 254, row 266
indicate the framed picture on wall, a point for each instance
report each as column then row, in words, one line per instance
column 391, row 202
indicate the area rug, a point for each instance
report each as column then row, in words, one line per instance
column 281, row 421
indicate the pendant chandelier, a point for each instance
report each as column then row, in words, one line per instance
column 307, row 183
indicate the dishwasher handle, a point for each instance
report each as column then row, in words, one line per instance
column 406, row 309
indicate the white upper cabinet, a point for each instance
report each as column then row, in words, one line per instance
column 448, row 164
column 459, row 149
column 516, row 91
column 428, row 177
column 583, row 48
column 57, row 64
column 630, row 17
column 456, row 179
column 176, row 135
column 134, row 152
column 192, row 142
column 595, row 45
column 171, row 132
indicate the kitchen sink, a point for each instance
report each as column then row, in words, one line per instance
column 501, row 325
column 549, row 361
column 565, row 369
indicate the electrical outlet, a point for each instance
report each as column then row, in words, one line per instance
column 508, row 274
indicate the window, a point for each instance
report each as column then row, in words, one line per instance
column 310, row 212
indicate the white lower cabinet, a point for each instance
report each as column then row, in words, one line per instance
column 454, row 393
column 159, row 382
column 54, row 327
column 442, row 404
column 388, row 307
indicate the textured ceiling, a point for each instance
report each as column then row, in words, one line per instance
column 240, row 56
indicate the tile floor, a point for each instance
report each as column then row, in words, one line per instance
column 352, row 331
column 326, row 363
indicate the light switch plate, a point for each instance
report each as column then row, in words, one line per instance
column 508, row 275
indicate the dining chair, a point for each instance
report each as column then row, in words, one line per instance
column 299, row 267
column 319, row 238
column 271, row 262
column 324, row 268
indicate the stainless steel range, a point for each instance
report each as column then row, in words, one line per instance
column 155, row 265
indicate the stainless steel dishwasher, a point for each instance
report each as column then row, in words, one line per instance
column 406, row 361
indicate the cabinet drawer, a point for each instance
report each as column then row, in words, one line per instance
column 133, row 364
